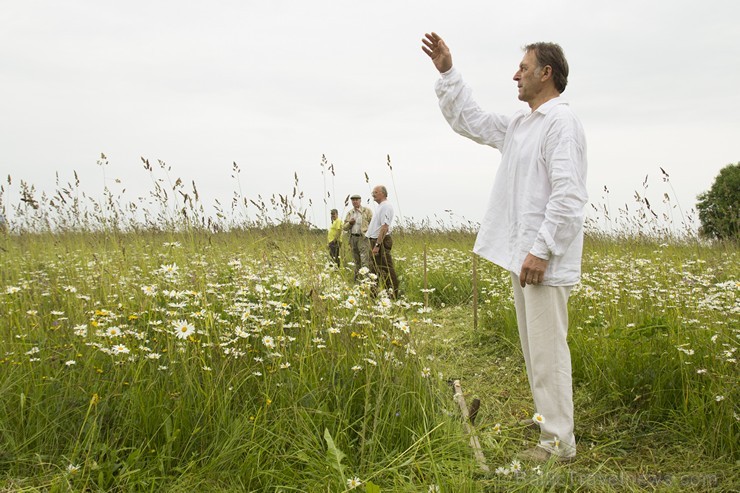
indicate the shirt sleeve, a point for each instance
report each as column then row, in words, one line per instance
column 368, row 219
column 346, row 225
column 565, row 156
column 465, row 116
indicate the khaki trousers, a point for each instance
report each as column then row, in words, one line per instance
column 542, row 317
column 360, row 246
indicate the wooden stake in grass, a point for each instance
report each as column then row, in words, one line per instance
column 475, row 292
column 426, row 287
column 474, row 443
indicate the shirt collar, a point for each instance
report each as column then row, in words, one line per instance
column 545, row 107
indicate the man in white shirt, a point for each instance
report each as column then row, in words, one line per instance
column 379, row 235
column 533, row 225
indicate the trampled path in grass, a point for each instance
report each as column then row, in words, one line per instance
column 619, row 448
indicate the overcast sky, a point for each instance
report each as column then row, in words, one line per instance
column 273, row 85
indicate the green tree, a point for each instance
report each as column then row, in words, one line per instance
column 719, row 207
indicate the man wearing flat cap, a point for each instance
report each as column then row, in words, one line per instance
column 356, row 223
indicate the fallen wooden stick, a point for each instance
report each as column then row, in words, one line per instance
column 468, row 423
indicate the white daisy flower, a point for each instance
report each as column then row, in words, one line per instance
column 120, row 349
column 168, row 270
column 353, row 482
column 149, row 290
column 183, row 329
column 113, row 332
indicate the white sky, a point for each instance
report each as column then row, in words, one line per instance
column 273, row 85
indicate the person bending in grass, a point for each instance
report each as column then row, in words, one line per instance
column 533, row 225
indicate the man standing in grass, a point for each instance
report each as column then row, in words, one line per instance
column 334, row 236
column 356, row 223
column 379, row 234
column 533, row 225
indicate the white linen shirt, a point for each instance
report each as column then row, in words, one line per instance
column 539, row 194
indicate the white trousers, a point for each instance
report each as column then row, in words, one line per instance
column 542, row 318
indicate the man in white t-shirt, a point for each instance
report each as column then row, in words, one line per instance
column 379, row 234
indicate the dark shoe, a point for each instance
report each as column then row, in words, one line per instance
column 538, row 454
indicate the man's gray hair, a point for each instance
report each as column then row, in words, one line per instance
column 551, row 54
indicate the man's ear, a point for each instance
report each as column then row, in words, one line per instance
column 546, row 73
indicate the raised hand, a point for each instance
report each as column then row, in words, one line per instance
column 438, row 51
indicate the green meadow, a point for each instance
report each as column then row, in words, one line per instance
column 171, row 354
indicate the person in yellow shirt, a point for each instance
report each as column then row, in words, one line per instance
column 334, row 236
